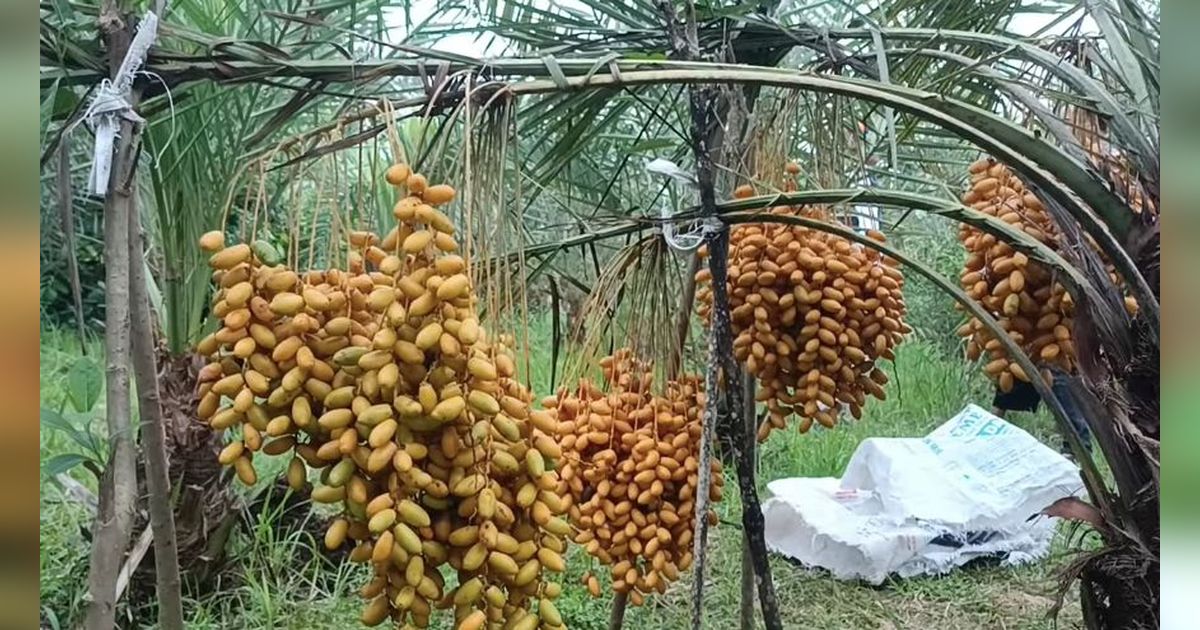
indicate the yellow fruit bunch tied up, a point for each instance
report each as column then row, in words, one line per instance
column 630, row 467
column 812, row 313
column 380, row 377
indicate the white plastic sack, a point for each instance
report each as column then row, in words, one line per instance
column 913, row 506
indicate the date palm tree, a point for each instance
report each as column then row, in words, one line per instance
column 900, row 94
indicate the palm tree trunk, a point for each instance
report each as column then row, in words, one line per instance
column 162, row 519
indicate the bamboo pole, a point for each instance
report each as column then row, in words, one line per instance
column 752, row 529
column 684, row 44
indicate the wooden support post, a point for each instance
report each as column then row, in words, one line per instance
column 616, row 618
column 118, row 486
column 752, row 527
column 154, row 440
column 750, row 427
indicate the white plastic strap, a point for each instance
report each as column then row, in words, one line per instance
column 667, row 168
column 110, row 105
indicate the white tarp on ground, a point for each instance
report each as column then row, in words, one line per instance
column 913, row 506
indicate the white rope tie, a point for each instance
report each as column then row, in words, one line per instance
column 686, row 241
column 695, row 236
column 110, row 104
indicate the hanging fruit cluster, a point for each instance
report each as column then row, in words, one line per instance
column 1029, row 304
column 1021, row 294
column 630, row 466
column 812, row 313
column 1107, row 158
column 380, row 377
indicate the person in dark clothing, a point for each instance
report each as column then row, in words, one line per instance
column 1023, row 397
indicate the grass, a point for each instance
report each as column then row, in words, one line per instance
column 278, row 583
